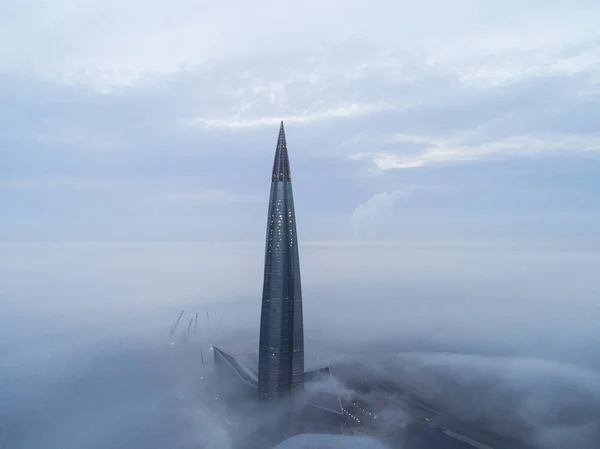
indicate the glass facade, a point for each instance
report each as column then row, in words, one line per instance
column 281, row 346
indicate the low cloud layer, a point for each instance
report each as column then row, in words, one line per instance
column 517, row 328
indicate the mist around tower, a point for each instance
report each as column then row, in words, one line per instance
column 279, row 396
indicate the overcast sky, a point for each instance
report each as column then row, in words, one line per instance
column 420, row 121
column 434, row 119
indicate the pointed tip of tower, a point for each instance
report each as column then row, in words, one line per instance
column 281, row 138
column 281, row 165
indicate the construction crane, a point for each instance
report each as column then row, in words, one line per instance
column 187, row 333
column 174, row 326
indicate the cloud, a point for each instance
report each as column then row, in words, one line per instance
column 107, row 361
column 462, row 149
column 316, row 86
column 369, row 218
column 95, row 42
column 345, row 111
column 374, row 90
column 524, row 398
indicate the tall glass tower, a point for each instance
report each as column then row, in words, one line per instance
column 281, row 345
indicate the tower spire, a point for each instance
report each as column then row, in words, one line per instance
column 281, row 164
column 281, row 344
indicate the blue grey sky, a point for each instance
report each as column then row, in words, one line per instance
column 147, row 120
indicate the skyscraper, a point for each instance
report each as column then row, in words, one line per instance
column 280, row 369
column 279, row 372
column 281, row 344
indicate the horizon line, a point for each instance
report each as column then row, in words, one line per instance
column 590, row 243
